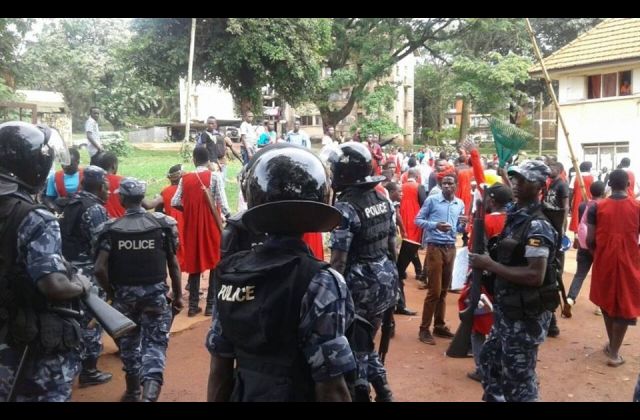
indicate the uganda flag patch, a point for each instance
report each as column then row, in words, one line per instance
column 534, row 242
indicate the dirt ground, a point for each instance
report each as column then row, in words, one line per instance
column 571, row 367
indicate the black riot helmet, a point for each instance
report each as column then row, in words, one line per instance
column 27, row 152
column 287, row 190
column 350, row 165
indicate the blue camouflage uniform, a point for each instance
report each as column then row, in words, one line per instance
column 326, row 312
column 143, row 351
column 509, row 355
column 372, row 283
column 46, row 377
column 636, row 392
column 90, row 224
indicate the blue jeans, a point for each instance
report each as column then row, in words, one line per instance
column 584, row 260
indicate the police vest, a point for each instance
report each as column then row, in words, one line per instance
column 236, row 237
column 519, row 301
column 25, row 316
column 138, row 253
column 258, row 298
column 371, row 241
column 73, row 241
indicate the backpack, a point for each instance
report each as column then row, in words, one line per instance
column 582, row 227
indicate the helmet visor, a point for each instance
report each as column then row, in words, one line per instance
column 58, row 148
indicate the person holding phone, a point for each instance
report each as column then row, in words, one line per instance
column 441, row 216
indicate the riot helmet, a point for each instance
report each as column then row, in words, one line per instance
column 27, row 153
column 287, row 190
column 242, row 176
column 351, row 165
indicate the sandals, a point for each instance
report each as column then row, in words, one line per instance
column 612, row 362
column 615, row 362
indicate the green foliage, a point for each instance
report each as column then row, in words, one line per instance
column 365, row 49
column 12, row 32
column 377, row 103
column 434, row 92
column 116, row 143
column 6, row 93
column 85, row 59
column 186, row 152
column 241, row 54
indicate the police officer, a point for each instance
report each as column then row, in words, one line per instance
column 526, row 290
column 37, row 297
column 81, row 219
column 280, row 313
column 363, row 248
column 134, row 253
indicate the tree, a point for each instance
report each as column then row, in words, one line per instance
column 365, row 49
column 434, row 91
column 12, row 33
column 83, row 59
column 377, row 104
column 242, row 55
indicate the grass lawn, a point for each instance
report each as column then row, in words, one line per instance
column 152, row 166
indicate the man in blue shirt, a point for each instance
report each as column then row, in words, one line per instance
column 298, row 137
column 440, row 214
column 61, row 185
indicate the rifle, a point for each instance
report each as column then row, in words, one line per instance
column 557, row 217
column 113, row 321
column 385, row 329
column 461, row 342
column 19, row 374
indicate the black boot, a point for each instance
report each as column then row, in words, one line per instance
column 151, row 390
column 133, row 392
column 90, row 375
column 361, row 393
column 383, row 392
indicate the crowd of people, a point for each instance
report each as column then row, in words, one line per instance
column 288, row 323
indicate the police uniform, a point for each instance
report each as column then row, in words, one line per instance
column 278, row 311
column 521, row 314
column 30, row 248
column 139, row 244
column 370, row 274
column 81, row 221
column 317, row 338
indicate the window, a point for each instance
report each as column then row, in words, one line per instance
column 605, row 155
column 318, row 120
column 306, row 120
column 609, row 85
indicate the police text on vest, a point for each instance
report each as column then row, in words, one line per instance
column 375, row 210
column 236, row 294
column 134, row 245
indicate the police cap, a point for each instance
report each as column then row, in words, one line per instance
column 93, row 175
column 131, row 187
column 531, row 170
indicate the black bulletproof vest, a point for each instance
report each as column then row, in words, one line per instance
column 517, row 258
column 374, row 211
column 24, row 315
column 73, row 242
column 258, row 298
column 138, row 254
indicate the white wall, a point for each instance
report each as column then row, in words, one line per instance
column 572, row 88
column 601, row 121
column 207, row 99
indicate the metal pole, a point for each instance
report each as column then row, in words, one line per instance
column 187, row 127
column 557, row 106
column 540, row 126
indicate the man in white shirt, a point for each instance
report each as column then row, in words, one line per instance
column 329, row 136
column 94, row 146
column 248, row 137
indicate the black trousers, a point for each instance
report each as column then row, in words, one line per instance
column 408, row 253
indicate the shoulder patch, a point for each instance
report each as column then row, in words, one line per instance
column 534, row 242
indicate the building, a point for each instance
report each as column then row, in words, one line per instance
column 601, row 113
column 207, row 99
column 50, row 108
column 402, row 75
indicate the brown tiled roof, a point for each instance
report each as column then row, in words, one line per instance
column 610, row 41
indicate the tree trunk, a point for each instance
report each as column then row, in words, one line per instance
column 246, row 105
column 464, row 121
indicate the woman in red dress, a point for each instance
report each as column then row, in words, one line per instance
column 613, row 230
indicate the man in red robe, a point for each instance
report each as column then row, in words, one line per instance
column 163, row 203
column 202, row 225
column 109, row 162
column 613, row 227
column 463, row 192
column 625, row 164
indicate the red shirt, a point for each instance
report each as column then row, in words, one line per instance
column 113, row 206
